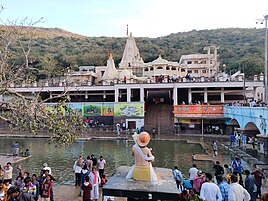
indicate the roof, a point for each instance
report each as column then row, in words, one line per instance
column 161, row 61
column 110, row 72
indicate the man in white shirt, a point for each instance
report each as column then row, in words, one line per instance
column 8, row 170
column 209, row 190
column 192, row 173
column 236, row 191
column 101, row 163
column 78, row 164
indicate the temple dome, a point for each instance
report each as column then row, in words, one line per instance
column 160, row 60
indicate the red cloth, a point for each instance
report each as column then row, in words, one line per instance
column 46, row 189
column 86, row 191
column 95, row 177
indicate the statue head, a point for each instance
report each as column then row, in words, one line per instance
column 143, row 139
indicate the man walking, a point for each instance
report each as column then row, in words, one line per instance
column 192, row 173
column 215, row 149
column 101, row 163
column 250, row 185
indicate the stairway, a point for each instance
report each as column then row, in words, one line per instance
column 159, row 116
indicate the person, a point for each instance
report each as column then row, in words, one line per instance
column 89, row 163
column 253, row 141
column 177, row 175
column 227, row 172
column 94, row 160
column 137, row 130
column 232, row 140
column 198, row 181
column 224, row 187
column 27, row 152
column 192, row 173
column 103, row 180
column 87, row 122
column 46, row 167
column 118, row 129
column 193, row 196
column 124, row 126
column 46, row 188
column 244, row 140
column 16, row 148
column 125, row 79
column 91, row 121
column 153, row 132
column 86, row 187
column 16, row 194
column 258, row 176
column 8, row 169
column 28, row 187
column 101, row 163
column 3, row 195
column 237, row 169
column 236, row 191
column 215, row 149
column 142, row 170
column 264, row 197
column 193, row 157
column 218, row 169
column 209, row 190
column 95, row 181
column 184, row 196
column 84, row 174
column 250, row 185
column 77, row 168
column 37, row 184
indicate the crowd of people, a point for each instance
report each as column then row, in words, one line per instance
column 89, row 175
column 226, row 184
column 26, row 186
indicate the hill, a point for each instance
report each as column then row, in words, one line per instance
column 55, row 50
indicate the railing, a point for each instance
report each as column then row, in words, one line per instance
column 198, row 110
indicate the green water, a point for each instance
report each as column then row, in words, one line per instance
column 116, row 153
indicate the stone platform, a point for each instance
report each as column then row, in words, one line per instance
column 164, row 189
column 4, row 158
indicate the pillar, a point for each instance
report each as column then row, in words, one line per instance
column 255, row 93
column 205, row 95
column 141, row 94
column 116, row 94
column 222, row 95
column 175, row 96
column 189, row 95
column 128, row 94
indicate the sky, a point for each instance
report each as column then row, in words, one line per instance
column 145, row 18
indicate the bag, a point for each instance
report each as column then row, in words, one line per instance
column 177, row 176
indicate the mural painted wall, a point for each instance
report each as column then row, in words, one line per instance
column 129, row 109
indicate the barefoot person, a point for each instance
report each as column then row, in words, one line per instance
column 142, row 170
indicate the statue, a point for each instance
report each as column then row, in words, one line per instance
column 142, row 170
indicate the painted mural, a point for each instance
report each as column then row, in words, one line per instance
column 92, row 109
column 129, row 109
column 108, row 109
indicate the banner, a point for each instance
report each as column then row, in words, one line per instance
column 129, row 109
column 92, row 109
column 108, row 109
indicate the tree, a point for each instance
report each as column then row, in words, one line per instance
column 30, row 112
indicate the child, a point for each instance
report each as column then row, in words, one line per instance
column 46, row 188
column 86, row 187
column 103, row 180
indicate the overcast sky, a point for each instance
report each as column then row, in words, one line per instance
column 146, row 18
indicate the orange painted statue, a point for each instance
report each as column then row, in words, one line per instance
column 142, row 170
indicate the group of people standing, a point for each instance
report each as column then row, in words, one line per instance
column 225, row 185
column 89, row 175
column 26, row 187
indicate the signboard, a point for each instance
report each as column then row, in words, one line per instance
column 108, row 109
column 92, row 109
column 129, row 109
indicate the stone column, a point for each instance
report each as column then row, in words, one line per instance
column 222, row 95
column 116, row 94
column 141, row 94
column 175, row 96
column 128, row 94
column 189, row 95
column 205, row 95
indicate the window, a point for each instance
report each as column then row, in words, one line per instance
column 195, row 62
column 152, row 68
column 167, row 68
column 204, row 71
column 189, row 71
column 203, row 62
column 195, row 71
column 182, row 70
column 102, row 72
column 160, row 68
column 173, row 68
column 189, row 62
column 211, row 62
column 146, row 69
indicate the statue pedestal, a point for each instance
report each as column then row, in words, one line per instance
column 164, row 189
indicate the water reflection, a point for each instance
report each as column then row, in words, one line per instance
column 116, row 153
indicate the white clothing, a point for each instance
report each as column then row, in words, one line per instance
column 101, row 164
column 77, row 168
column 94, row 193
column 193, row 172
column 8, row 173
column 2, row 195
column 49, row 170
column 210, row 192
column 238, row 193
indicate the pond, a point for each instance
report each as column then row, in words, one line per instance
column 116, row 153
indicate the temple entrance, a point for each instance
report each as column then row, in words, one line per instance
column 159, row 111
